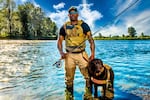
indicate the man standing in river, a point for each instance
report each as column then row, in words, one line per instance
column 75, row 33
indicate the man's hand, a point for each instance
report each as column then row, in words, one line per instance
column 91, row 57
column 63, row 55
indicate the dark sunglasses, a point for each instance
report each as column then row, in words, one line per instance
column 73, row 12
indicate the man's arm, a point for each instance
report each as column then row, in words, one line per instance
column 60, row 46
column 92, row 45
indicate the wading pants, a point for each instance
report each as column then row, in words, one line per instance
column 71, row 62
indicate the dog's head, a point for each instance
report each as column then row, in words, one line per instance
column 96, row 67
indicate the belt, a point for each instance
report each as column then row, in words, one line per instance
column 76, row 51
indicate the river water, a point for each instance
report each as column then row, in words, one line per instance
column 26, row 71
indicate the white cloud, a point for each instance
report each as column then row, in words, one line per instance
column 35, row 4
column 140, row 21
column 88, row 15
column 85, row 13
column 59, row 17
column 113, row 30
column 122, row 5
column 59, row 6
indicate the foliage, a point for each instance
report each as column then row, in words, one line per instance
column 131, row 36
column 123, row 38
column 131, row 31
column 25, row 22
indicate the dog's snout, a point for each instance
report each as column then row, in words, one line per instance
column 97, row 71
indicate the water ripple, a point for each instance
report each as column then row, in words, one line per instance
column 26, row 71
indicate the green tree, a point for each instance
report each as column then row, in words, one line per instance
column 53, row 28
column 142, row 34
column 27, row 21
column 3, row 23
column 37, row 17
column 6, row 10
column 123, row 35
column 49, row 28
column 110, row 36
column 9, row 6
column 100, row 35
column 23, row 11
column 35, row 23
column 131, row 31
column 17, row 26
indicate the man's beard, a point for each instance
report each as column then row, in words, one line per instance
column 73, row 20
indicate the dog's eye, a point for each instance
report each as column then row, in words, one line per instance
column 101, row 68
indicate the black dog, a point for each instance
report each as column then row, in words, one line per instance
column 101, row 75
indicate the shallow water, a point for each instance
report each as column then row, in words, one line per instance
column 26, row 71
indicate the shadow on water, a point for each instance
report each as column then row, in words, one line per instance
column 119, row 95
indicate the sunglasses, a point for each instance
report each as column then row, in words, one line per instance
column 73, row 12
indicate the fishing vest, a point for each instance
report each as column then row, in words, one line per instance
column 75, row 38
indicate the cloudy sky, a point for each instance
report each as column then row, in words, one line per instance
column 100, row 14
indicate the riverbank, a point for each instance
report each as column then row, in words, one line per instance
column 23, row 41
column 122, row 38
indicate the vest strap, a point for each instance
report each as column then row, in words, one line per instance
column 76, row 52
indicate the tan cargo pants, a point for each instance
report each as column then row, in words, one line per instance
column 72, row 60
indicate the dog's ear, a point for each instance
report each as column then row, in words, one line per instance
column 100, row 61
column 91, row 64
column 91, row 67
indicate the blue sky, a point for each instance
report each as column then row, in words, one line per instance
column 99, row 14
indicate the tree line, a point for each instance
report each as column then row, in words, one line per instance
column 131, row 36
column 25, row 21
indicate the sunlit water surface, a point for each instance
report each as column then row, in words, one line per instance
column 26, row 71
